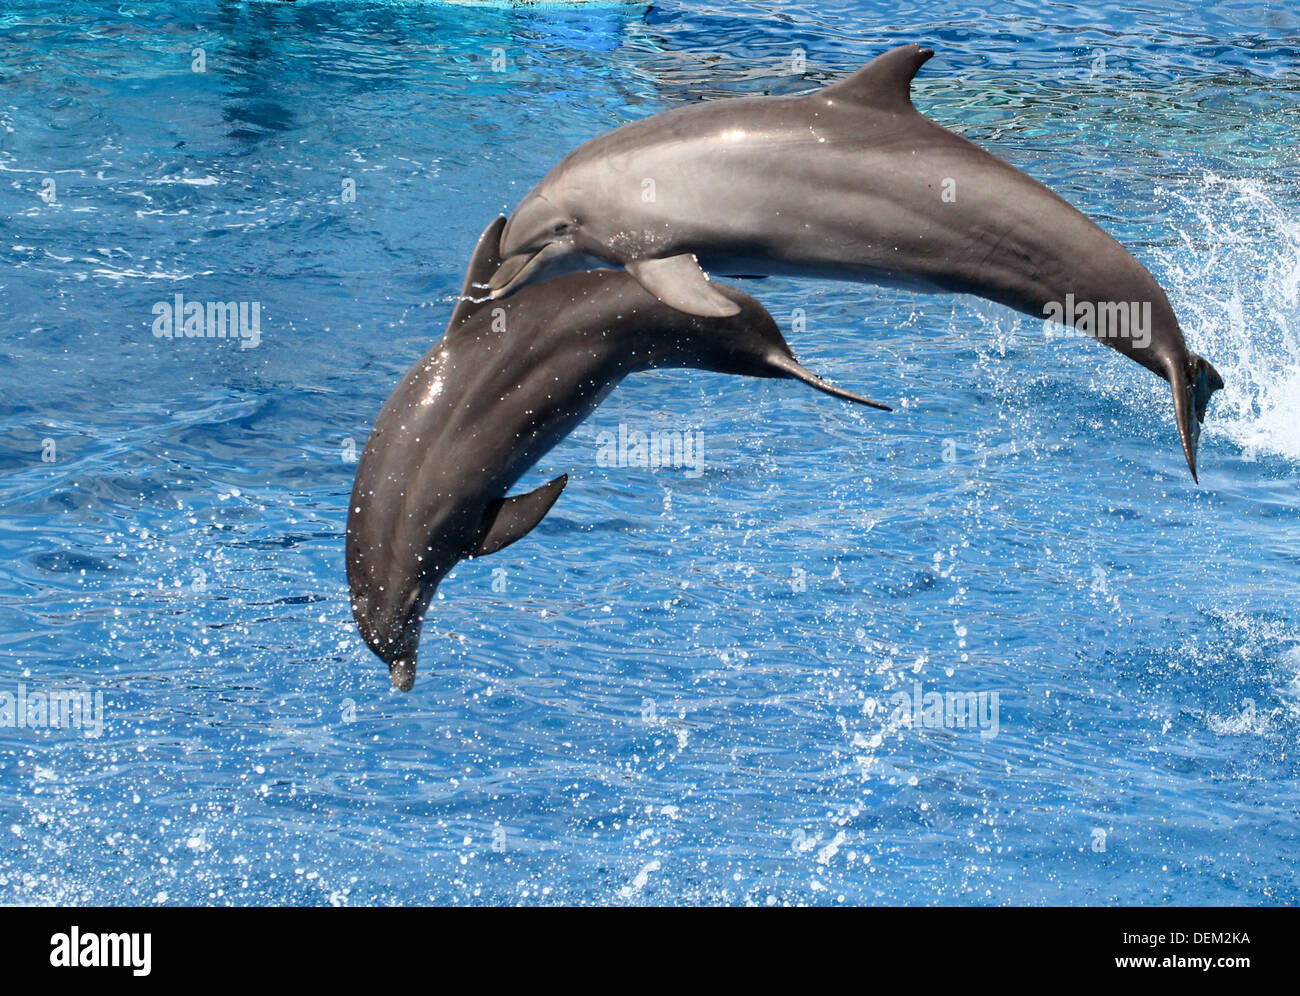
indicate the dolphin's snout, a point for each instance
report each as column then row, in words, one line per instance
column 529, row 240
column 523, row 267
column 397, row 644
column 509, row 271
column 530, row 226
column 402, row 674
column 400, row 655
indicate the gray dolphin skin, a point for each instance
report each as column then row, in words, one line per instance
column 506, row 383
column 849, row 182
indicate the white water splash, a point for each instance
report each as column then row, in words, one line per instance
column 639, row 882
column 1235, row 282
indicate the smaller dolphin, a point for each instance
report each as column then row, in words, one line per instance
column 850, row 182
column 507, row 382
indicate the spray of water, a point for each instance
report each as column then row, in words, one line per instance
column 1234, row 278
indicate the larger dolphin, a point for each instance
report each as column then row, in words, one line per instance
column 506, row 383
column 850, row 182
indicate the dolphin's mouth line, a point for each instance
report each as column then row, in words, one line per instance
column 514, row 272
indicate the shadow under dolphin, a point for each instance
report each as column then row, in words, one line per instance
column 507, row 382
column 848, row 182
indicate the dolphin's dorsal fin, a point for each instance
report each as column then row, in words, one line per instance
column 482, row 264
column 507, row 519
column 885, row 82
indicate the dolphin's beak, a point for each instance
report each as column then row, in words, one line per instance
column 402, row 674
column 518, row 269
column 527, row 242
column 399, row 652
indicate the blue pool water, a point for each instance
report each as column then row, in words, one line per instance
column 680, row 687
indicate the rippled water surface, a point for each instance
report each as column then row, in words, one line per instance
column 678, row 688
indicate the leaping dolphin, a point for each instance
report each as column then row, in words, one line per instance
column 849, row 182
column 508, row 381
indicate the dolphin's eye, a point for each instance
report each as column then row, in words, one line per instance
column 561, row 228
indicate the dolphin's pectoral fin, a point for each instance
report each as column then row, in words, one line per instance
column 508, row 519
column 679, row 283
column 885, row 82
column 1192, row 391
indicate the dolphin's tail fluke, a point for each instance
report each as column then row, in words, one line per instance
column 1193, row 384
